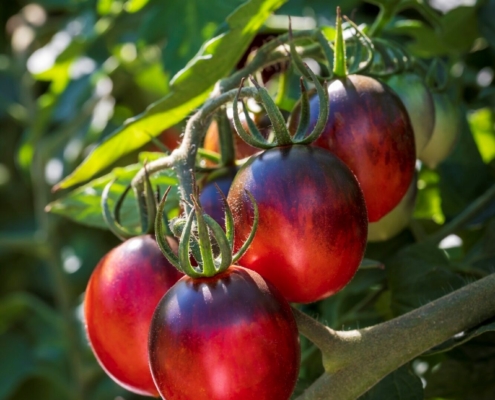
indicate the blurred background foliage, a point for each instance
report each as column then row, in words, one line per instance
column 71, row 73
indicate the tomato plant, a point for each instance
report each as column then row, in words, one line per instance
column 84, row 87
column 313, row 223
column 121, row 296
column 231, row 336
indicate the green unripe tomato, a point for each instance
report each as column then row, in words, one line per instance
column 446, row 132
column 419, row 105
column 397, row 219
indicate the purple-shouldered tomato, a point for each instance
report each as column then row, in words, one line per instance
column 122, row 294
column 369, row 130
column 312, row 227
column 230, row 336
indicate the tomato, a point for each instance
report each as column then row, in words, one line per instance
column 368, row 128
column 446, row 132
column 210, row 199
column 170, row 137
column 419, row 105
column 121, row 296
column 312, row 220
column 397, row 219
column 231, row 336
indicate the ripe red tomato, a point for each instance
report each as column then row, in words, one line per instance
column 446, row 132
column 419, row 105
column 313, row 224
column 211, row 200
column 231, row 336
column 368, row 128
column 121, row 296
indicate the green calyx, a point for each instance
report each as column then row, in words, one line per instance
column 282, row 136
column 146, row 202
column 196, row 234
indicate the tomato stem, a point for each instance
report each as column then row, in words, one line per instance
column 226, row 139
column 339, row 65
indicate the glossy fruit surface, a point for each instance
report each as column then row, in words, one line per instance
column 209, row 197
column 419, row 105
column 397, row 219
column 446, row 132
column 312, row 220
column 231, row 336
column 121, row 296
column 368, row 128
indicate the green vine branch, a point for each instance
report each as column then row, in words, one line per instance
column 358, row 359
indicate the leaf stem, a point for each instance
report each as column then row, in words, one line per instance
column 356, row 360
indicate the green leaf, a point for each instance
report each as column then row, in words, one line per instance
column 133, row 6
column 402, row 384
column 188, row 90
column 463, row 175
column 428, row 200
column 418, row 274
column 457, row 33
column 83, row 205
column 462, row 338
column 482, row 125
column 467, row 374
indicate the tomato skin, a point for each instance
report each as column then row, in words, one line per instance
column 312, row 227
column 209, row 197
column 122, row 294
column 231, row 336
column 418, row 101
column 397, row 219
column 446, row 132
column 368, row 128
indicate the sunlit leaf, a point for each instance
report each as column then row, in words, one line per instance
column 188, row 90
column 83, row 205
column 482, row 125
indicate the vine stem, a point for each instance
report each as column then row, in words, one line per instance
column 384, row 16
column 183, row 158
column 358, row 359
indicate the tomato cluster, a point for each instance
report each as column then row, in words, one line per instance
column 291, row 226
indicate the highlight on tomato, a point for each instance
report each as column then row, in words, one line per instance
column 201, row 327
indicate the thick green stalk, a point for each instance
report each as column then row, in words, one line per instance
column 356, row 360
